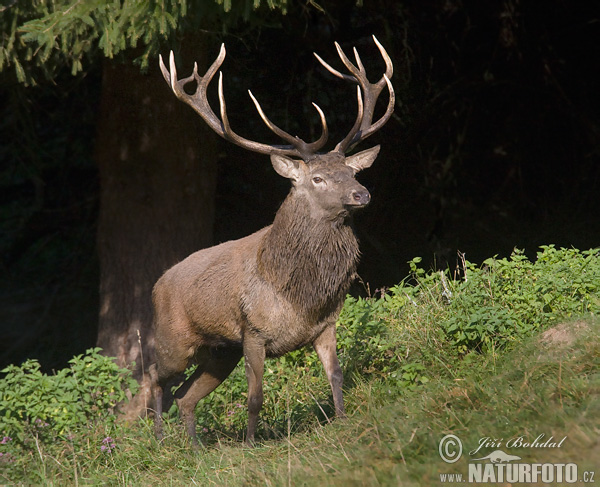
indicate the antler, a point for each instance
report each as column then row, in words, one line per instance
column 199, row 102
column 363, row 127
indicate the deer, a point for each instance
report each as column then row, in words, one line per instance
column 281, row 288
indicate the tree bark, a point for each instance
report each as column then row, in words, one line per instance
column 157, row 164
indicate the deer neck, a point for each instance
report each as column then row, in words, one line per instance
column 311, row 260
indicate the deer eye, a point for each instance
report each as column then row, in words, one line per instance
column 317, row 180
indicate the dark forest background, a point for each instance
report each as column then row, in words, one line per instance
column 494, row 144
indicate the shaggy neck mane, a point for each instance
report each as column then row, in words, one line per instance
column 311, row 261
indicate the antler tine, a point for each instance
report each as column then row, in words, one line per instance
column 334, row 71
column 344, row 144
column 389, row 66
column 199, row 102
column 229, row 134
column 171, row 76
column 316, row 145
column 358, row 61
column 303, row 147
column 363, row 127
column 164, row 70
column 374, row 127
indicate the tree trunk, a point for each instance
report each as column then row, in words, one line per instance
column 157, row 164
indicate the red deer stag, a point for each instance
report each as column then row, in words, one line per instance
column 282, row 287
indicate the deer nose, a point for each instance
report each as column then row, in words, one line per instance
column 361, row 197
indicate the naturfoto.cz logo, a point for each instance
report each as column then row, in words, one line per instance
column 498, row 466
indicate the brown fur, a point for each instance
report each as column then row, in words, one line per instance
column 266, row 294
column 311, row 263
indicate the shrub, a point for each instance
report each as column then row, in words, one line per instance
column 481, row 308
column 35, row 406
column 507, row 299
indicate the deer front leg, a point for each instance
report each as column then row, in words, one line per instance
column 325, row 346
column 254, row 358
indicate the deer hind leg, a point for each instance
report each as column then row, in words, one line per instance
column 163, row 380
column 157, row 394
column 213, row 369
column 172, row 353
column 325, row 346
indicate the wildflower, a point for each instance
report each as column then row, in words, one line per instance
column 40, row 424
column 6, row 458
column 5, row 440
column 108, row 444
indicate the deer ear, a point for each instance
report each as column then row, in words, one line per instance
column 286, row 167
column 363, row 159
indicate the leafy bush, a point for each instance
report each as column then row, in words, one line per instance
column 35, row 406
column 363, row 341
column 508, row 299
column 477, row 309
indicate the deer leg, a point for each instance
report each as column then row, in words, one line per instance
column 205, row 379
column 172, row 354
column 325, row 346
column 161, row 390
column 157, row 393
column 254, row 358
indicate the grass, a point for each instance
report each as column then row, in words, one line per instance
column 391, row 436
column 408, row 384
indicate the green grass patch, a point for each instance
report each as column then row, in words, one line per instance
column 476, row 353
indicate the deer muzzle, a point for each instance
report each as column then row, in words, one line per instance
column 359, row 197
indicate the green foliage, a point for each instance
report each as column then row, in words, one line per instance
column 481, row 308
column 542, row 386
column 38, row 407
column 362, row 335
column 510, row 298
column 431, row 341
column 49, row 35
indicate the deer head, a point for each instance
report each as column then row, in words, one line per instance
column 325, row 179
